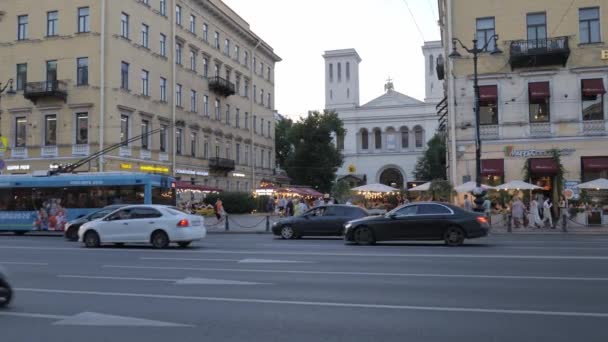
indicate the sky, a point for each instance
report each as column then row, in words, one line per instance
column 382, row 31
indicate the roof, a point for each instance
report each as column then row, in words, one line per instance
column 392, row 98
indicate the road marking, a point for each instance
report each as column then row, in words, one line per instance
column 32, row 315
column 24, row 263
column 271, row 261
column 324, row 304
column 383, row 274
column 189, row 259
column 96, row 319
column 185, row 281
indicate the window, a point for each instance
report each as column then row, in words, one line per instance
column 145, row 137
column 432, row 209
column 20, row 127
column 227, row 47
column 237, row 118
column 246, row 88
column 21, row 76
column 268, row 159
column 255, row 123
column 339, row 72
column 228, row 74
column 407, row 211
column 589, row 25
column 163, row 89
column 237, row 52
column 592, row 94
column 84, row 24
column 485, row 30
column 246, row 120
column 268, row 97
column 262, row 96
column 82, row 128
column 51, row 74
column 163, row 45
column 537, row 30
column 377, row 139
column 261, row 126
column 178, row 15
column 432, row 62
column 178, row 53
column 206, row 105
column 124, row 127
column 228, row 150
column 163, row 138
column 331, row 72
column 193, row 101
column 247, row 152
column 227, row 114
column 124, row 25
column 206, row 32
column 217, row 148
column 419, row 136
column 405, row 137
column 488, row 105
column 124, row 76
column 192, row 60
column 254, row 156
column 539, row 96
column 262, row 158
column 348, row 71
column 145, row 29
column 364, row 140
column 246, row 58
column 163, row 7
column 237, row 84
column 178, row 95
column 205, row 67
column 216, row 70
column 193, row 138
column 340, row 142
column 178, row 140
column 255, row 90
column 22, row 23
column 268, row 128
column 216, row 39
column 82, row 71
column 206, row 148
column 50, row 130
column 146, row 2
column 218, row 115
column 145, row 88
column 52, row 19
column 262, row 69
column 255, row 65
column 237, row 156
column 268, row 73
column 192, row 24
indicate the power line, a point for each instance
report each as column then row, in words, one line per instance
column 432, row 10
column 414, row 19
column 563, row 17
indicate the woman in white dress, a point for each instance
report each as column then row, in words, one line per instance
column 547, row 213
column 536, row 220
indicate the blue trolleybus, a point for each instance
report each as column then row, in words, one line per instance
column 46, row 203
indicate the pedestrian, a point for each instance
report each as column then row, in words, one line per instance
column 219, row 209
column 547, row 205
column 467, row 203
column 487, row 210
column 563, row 212
column 535, row 211
column 282, row 204
column 303, row 207
column 518, row 210
column 289, row 208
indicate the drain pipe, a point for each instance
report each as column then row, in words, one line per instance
column 102, row 83
column 173, row 82
column 253, row 156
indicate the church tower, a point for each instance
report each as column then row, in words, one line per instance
column 433, row 55
column 341, row 78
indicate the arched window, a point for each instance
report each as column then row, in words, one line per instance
column 340, row 142
column 364, row 139
column 419, row 136
column 377, row 139
column 431, row 64
column 405, row 137
column 391, row 139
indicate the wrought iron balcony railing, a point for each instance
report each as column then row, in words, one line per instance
column 222, row 86
column 47, row 89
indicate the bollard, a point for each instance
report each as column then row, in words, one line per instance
column 227, row 225
column 267, row 223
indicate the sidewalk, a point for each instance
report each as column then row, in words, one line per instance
column 241, row 223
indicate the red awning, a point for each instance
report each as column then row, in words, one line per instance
column 593, row 87
column 539, row 90
column 488, row 93
column 183, row 185
column 545, row 166
column 492, row 167
column 595, row 163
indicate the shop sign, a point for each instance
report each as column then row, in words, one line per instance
column 23, row 167
column 237, row 174
column 126, row 166
column 191, row 172
column 570, row 190
column 154, row 168
column 510, row 151
column 261, row 192
column 604, row 54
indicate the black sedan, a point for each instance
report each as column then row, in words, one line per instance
column 419, row 221
column 71, row 228
column 319, row 221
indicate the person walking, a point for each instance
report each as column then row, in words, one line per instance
column 289, row 208
column 534, row 209
column 518, row 210
column 563, row 212
column 468, row 206
column 487, row 210
column 219, row 209
column 547, row 213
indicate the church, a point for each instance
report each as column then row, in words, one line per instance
column 386, row 136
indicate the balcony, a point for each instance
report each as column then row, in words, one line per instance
column 80, row 150
column 221, row 86
column 19, row 153
column 48, row 89
column 540, row 129
column 594, row 127
column 49, row 151
column 539, row 52
column 221, row 164
column 488, row 132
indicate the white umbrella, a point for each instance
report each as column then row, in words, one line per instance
column 517, row 185
column 377, row 187
column 422, row 187
column 470, row 186
column 600, row 183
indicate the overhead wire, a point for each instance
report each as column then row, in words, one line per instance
column 414, row 20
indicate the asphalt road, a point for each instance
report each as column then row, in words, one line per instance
column 253, row 287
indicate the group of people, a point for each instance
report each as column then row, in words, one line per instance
column 296, row 206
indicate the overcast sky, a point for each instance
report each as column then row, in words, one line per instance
column 382, row 32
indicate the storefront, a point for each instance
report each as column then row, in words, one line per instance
column 593, row 168
column 493, row 171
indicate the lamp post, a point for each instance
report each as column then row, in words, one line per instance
column 479, row 193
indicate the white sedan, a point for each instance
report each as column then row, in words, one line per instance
column 158, row 225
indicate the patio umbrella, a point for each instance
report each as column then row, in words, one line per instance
column 517, row 185
column 597, row 184
column 377, row 187
column 470, row 186
column 422, row 187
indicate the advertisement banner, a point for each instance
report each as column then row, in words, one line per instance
column 570, row 192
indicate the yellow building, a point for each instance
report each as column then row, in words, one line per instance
column 89, row 74
column 545, row 91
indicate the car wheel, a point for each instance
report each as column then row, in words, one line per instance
column 184, row 244
column 364, row 236
column 160, row 239
column 71, row 234
column 454, row 236
column 91, row 239
column 19, row 232
column 287, row 233
column 6, row 293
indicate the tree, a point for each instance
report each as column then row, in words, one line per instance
column 340, row 190
column 312, row 158
column 282, row 144
column 432, row 165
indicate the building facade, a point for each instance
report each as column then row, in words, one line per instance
column 544, row 92
column 386, row 136
column 90, row 74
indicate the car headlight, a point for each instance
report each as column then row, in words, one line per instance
column 275, row 224
column 348, row 225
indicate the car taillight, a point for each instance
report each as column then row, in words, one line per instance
column 183, row 223
column 482, row 220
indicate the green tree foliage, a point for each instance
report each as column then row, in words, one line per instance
column 432, row 165
column 234, row 202
column 441, row 190
column 341, row 191
column 282, row 144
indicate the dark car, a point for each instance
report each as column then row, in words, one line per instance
column 319, row 221
column 71, row 228
column 6, row 293
column 419, row 221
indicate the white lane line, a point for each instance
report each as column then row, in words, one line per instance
column 185, row 281
column 325, row 304
column 24, row 263
column 189, row 259
column 32, row 315
column 114, row 278
column 383, row 274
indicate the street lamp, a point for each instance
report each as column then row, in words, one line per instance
column 478, row 192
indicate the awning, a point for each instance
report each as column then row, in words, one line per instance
column 492, row 167
column 595, row 163
column 545, row 166
column 593, row 87
column 488, row 93
column 539, row 90
column 184, row 185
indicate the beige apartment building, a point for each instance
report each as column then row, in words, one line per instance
column 92, row 73
column 545, row 91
